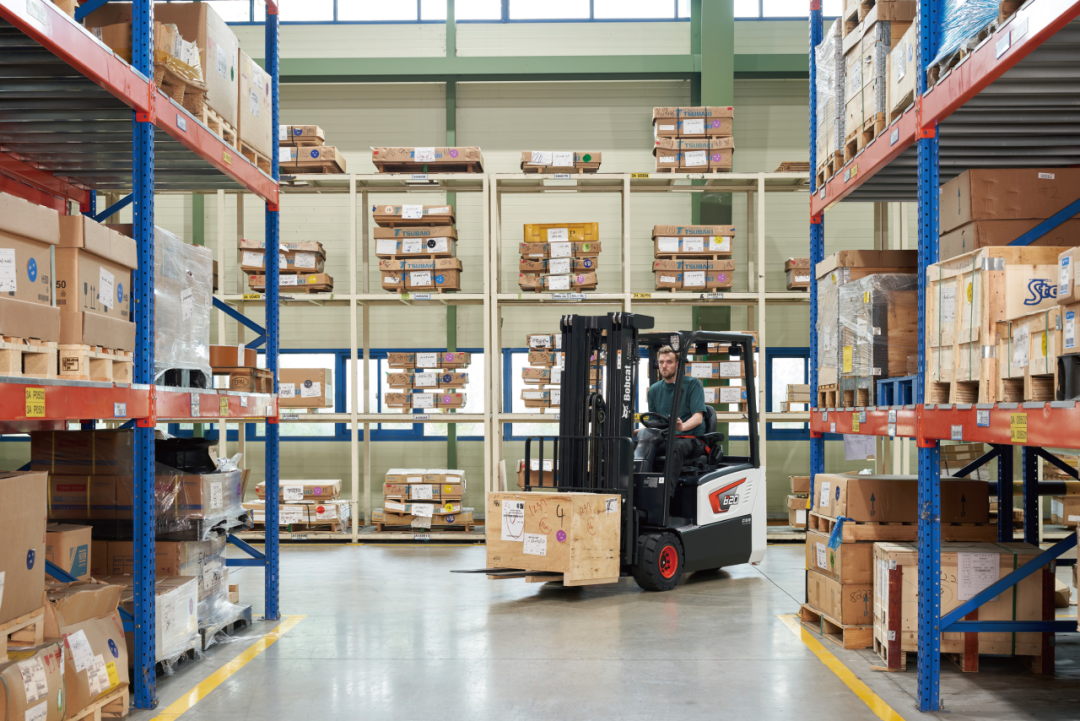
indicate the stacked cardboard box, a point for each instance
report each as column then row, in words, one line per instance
column 67, row 546
column 302, row 149
column 301, row 266
column 797, row 273
column 693, row 139
column 693, row 257
column 559, row 257
column 546, row 161
column 840, row 563
column 446, row 366
column 798, row 501
column 428, row 160
column 304, row 504
column 424, row 498
column 305, row 388
column 866, row 55
column 255, row 114
column 28, row 233
column 543, row 375
column 416, row 246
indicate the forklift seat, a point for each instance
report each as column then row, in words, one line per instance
column 713, row 456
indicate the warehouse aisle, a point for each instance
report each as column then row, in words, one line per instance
column 389, row 633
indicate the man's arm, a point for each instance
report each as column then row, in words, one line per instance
column 696, row 402
column 690, row 423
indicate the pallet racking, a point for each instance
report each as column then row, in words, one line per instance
column 1004, row 105
column 64, row 138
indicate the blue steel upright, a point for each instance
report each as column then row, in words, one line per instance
column 817, row 242
column 272, row 460
column 929, row 636
column 142, row 32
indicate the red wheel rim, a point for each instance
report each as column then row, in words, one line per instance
column 669, row 561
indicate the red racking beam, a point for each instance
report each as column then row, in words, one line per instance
column 869, row 422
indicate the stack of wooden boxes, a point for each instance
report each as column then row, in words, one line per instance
column 543, row 375
column 427, row 381
column 693, row 257
column 833, row 273
column 301, row 266
column 305, row 505
column 560, row 163
column 559, row 257
column 796, row 398
column 417, row 248
column 798, row 500
column 423, row 498
column 695, row 140
column 1067, row 366
column 840, row 553
column 866, row 53
column 302, row 149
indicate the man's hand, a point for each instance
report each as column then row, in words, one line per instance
column 679, row 424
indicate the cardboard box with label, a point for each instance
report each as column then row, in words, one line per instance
column 198, row 23
column 1007, row 194
column 232, row 356
column 702, row 156
column 421, row 523
column 1027, row 352
column 560, row 249
column 538, row 477
column 902, row 72
column 22, row 542
column 716, row 369
column 255, row 112
column 305, row 388
column 27, row 234
column 176, row 621
column 300, row 135
column 851, row 562
column 1065, row 510
column 1068, row 277
column 554, row 161
column 561, row 232
column 670, row 246
column 848, row 604
column 430, row 245
column 305, row 513
column 427, row 159
column 203, row 560
column 894, row 499
column 322, row 490
column 432, row 280
column 289, row 261
column 294, row 282
column 985, row 233
column 692, row 122
column 32, row 683
column 388, row 216
column 76, row 453
column 68, row 547
column 325, row 158
column 544, row 266
column 94, row 267
column 96, row 660
column 796, row 511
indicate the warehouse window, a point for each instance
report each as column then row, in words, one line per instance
column 785, row 366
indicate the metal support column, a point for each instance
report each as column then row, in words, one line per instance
column 142, row 32
column 272, row 463
column 1030, row 469
column 1005, row 493
column 817, row 243
column 929, row 607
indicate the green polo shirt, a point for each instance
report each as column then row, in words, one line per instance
column 662, row 393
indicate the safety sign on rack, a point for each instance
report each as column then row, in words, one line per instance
column 1018, row 427
column 35, row 402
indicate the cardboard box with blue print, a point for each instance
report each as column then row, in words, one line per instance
column 68, row 547
column 294, row 282
column 398, row 216
column 553, row 161
column 433, row 280
column 702, row 156
column 254, row 110
column 443, row 245
column 22, row 542
column 427, row 159
column 553, row 266
column 444, row 360
column 27, row 234
column 305, row 388
column 409, row 380
column 289, row 261
column 300, row 135
column 316, row 158
column 693, row 122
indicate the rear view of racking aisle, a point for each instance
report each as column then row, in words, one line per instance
column 65, row 138
column 1002, row 98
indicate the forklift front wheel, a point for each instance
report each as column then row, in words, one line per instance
column 660, row 561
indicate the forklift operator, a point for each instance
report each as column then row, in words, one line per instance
column 689, row 421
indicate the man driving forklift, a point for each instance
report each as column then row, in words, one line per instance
column 689, row 421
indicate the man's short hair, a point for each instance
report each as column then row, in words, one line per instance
column 666, row 349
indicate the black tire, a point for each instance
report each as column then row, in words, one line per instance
column 656, row 552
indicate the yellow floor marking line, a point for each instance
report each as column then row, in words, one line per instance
column 881, row 709
column 187, row 701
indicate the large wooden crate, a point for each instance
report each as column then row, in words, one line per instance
column 896, row 590
column 575, row 534
column 1027, row 353
column 966, row 297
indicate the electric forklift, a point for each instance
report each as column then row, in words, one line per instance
column 712, row 514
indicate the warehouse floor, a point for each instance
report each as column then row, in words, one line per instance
column 388, row 633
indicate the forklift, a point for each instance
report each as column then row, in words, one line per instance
column 715, row 516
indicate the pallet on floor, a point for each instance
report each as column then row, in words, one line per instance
column 501, row 574
column 261, row 161
column 113, row 705
column 901, row 532
column 26, row 630
column 28, row 357
column 827, row 396
column 428, row 168
column 315, row 527
column 237, row 620
column 94, row 363
column 898, row 391
column 849, row 637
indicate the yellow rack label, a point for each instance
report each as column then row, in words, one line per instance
column 642, row 296
column 1018, row 427
column 252, row 296
column 847, row 358
column 224, row 406
column 226, row 158
column 639, row 175
column 35, row 402
column 855, row 423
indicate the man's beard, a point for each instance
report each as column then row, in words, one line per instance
column 668, row 377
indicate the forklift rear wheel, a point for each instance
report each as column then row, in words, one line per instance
column 660, row 562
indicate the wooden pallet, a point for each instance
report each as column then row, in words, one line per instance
column 851, row 18
column 26, row 630
column 261, row 161
column 849, row 637
column 856, row 141
column 94, row 363
column 576, row 289
column 31, row 358
column 793, row 166
column 428, row 168
column 692, row 256
column 289, row 289
column 247, row 380
column 190, row 96
column 547, row 169
column 855, row 397
column 829, row 167
column 114, row 705
column 827, row 396
column 900, row 532
column 901, row 105
column 456, row 528
column 1029, row 388
column 316, row 169
column 226, row 131
column 958, row 391
column 940, row 69
column 704, row 169
column 336, row 526
column 502, row 574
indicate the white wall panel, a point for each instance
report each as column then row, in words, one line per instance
column 535, row 39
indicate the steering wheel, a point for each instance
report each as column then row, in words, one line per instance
column 655, row 421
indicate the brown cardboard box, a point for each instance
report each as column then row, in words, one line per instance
column 22, row 542
column 93, row 329
column 796, row 511
column 681, row 122
column 434, row 158
column 77, row 498
column 1068, row 278
column 415, row 232
column 573, row 281
column 391, row 518
column 544, row 340
column 1065, row 510
column 546, row 161
column 901, row 71
column 392, row 248
column 868, row 262
column 300, row 135
column 537, row 478
column 203, row 560
column 289, row 491
column 77, row 453
column 394, row 282
column 433, row 280
column 289, row 261
column 89, row 282
column 561, row 249
column 309, row 246
column 26, row 233
column 305, row 388
column 30, row 221
column 405, row 475
column 309, row 157
column 444, row 475
column 542, row 399
column 68, row 547
column 257, row 281
column 232, row 356
column 545, row 358
column 396, row 265
column 800, row 484
column 894, row 499
column 702, row 156
column 255, row 113
column 99, row 559
column 198, row 23
column 681, row 246
column 543, row 266
column 1007, row 194
column 983, row 233
column 43, row 702
column 28, row 319
column 413, row 215
column 847, row 563
column 1070, row 341
column 561, row 232
column 71, row 603
column 176, row 619
column 849, row 604
column 95, row 646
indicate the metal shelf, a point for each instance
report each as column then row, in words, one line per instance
column 377, row 299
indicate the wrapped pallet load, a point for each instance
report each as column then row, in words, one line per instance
column 962, row 23
column 879, row 331
column 183, row 274
column 829, row 82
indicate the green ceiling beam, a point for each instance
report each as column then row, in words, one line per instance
column 772, row 65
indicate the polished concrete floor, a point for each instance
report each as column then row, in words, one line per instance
column 389, row 633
